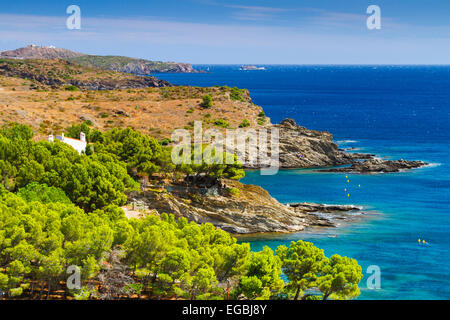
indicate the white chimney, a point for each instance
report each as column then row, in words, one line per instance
column 82, row 137
column 50, row 138
column 62, row 136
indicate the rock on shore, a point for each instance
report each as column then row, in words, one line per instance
column 379, row 166
column 325, row 215
column 300, row 147
column 304, row 148
column 253, row 210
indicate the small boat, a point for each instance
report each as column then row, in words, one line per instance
column 251, row 68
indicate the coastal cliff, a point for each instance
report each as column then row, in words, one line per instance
column 113, row 63
column 245, row 210
column 132, row 65
column 60, row 73
column 304, row 148
column 301, row 148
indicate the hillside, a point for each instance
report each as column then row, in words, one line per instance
column 132, row 65
column 114, row 63
column 155, row 111
column 58, row 93
column 60, row 73
column 36, row 52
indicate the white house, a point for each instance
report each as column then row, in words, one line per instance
column 79, row 145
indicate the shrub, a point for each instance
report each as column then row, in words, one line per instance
column 15, row 292
column 43, row 193
column 236, row 94
column 165, row 142
column 207, row 101
column 245, row 123
column 261, row 121
column 234, row 192
column 221, row 123
column 71, row 88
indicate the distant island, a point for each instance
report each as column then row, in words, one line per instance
column 251, row 68
column 115, row 63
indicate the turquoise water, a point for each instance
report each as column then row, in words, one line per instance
column 394, row 112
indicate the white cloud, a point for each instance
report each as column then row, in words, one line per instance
column 255, row 13
column 326, row 38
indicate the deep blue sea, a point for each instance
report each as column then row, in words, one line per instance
column 392, row 111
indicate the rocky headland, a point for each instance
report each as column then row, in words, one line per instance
column 113, row 63
column 60, row 73
column 132, row 65
column 300, row 147
column 249, row 210
column 304, row 148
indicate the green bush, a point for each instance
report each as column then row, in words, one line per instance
column 245, row 123
column 207, row 101
column 15, row 292
column 261, row 121
column 165, row 142
column 42, row 193
column 71, row 88
column 234, row 192
column 236, row 94
column 221, row 123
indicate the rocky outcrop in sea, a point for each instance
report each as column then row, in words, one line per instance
column 304, row 148
column 252, row 210
column 379, row 166
column 300, row 148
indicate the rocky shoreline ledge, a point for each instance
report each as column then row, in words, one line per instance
column 301, row 148
column 379, row 166
column 251, row 210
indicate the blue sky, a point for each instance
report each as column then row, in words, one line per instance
column 245, row 31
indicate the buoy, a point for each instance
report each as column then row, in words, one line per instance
column 359, row 186
column 348, row 195
column 420, row 241
column 348, row 181
column 345, row 190
column 424, row 242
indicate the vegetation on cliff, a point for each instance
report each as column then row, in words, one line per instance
column 63, row 74
column 132, row 65
column 61, row 209
column 114, row 63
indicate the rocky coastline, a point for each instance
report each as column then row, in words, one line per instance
column 252, row 211
column 301, row 148
column 379, row 166
column 115, row 63
column 40, row 71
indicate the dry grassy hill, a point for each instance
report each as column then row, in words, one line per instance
column 27, row 97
